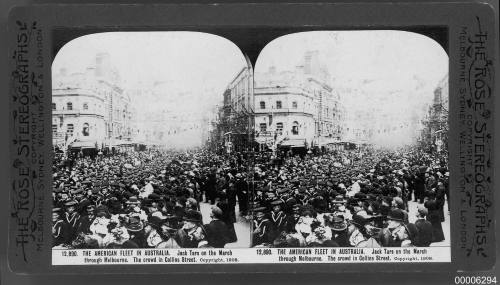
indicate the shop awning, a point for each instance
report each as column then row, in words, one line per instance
column 293, row 143
column 83, row 145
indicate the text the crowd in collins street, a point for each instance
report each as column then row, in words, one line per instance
column 146, row 199
column 357, row 198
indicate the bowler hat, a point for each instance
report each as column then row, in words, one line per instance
column 155, row 222
column 396, row 215
column 193, row 216
column 337, row 223
column 360, row 221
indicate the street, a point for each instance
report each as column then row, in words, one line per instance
column 242, row 227
column 412, row 210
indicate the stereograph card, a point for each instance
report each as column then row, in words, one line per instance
column 252, row 138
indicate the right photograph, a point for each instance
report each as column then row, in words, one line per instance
column 351, row 141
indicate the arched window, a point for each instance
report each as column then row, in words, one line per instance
column 294, row 104
column 262, row 104
column 295, row 128
column 69, row 106
column 85, row 130
column 85, row 106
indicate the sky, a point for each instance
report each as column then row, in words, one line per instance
column 191, row 60
column 394, row 56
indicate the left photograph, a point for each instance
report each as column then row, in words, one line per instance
column 150, row 135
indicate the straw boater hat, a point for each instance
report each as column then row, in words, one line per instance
column 133, row 201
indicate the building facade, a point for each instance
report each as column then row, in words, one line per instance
column 297, row 108
column 90, row 106
column 435, row 132
column 235, row 117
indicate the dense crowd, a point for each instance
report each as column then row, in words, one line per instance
column 151, row 199
column 146, row 199
column 354, row 198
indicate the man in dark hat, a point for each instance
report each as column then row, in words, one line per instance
column 228, row 216
column 338, row 227
column 217, row 231
column 263, row 228
column 151, row 231
column 409, row 236
column 168, row 228
column 192, row 234
column 425, row 230
column 71, row 218
column 241, row 187
column 278, row 217
column 60, row 234
column 87, row 220
column 292, row 218
column 135, row 230
column 389, row 236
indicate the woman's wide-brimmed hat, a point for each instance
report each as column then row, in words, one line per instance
column 193, row 216
column 134, row 224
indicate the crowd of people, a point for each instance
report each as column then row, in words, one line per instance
column 343, row 198
column 356, row 198
column 146, row 199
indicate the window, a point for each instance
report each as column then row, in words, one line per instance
column 54, row 106
column 85, row 106
column 278, row 104
column 54, row 131
column 69, row 106
column 85, row 130
column 295, row 128
column 294, row 104
column 69, row 130
column 263, row 127
column 279, row 127
column 262, row 104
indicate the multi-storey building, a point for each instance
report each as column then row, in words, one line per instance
column 90, row 106
column 236, row 115
column 435, row 133
column 297, row 108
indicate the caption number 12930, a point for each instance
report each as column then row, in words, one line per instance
column 466, row 280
